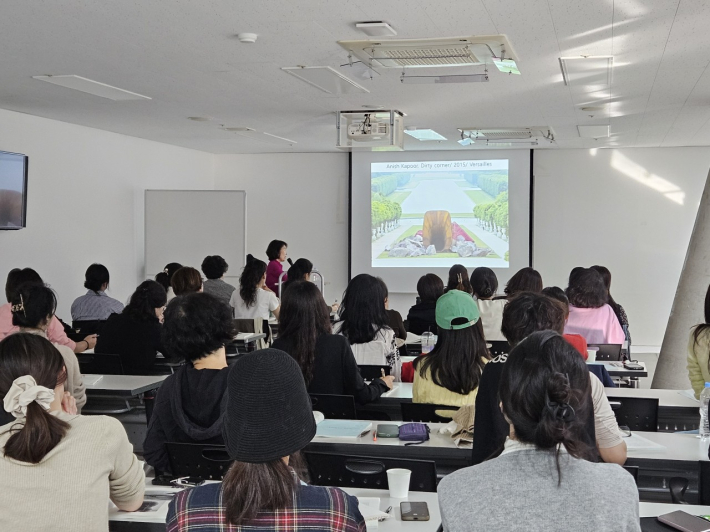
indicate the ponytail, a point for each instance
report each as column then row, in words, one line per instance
column 166, row 276
column 484, row 282
column 37, row 432
column 458, row 279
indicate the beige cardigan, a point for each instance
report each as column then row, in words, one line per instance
column 74, row 383
column 70, row 488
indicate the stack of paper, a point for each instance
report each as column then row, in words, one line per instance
column 370, row 510
column 342, row 428
column 413, row 338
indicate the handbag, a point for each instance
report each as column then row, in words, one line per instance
column 413, row 433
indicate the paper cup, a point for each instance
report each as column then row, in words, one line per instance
column 592, row 355
column 398, row 480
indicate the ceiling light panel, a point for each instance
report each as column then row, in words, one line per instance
column 592, row 73
column 260, row 136
column 593, row 132
column 376, row 29
column 326, row 79
column 424, row 134
column 89, row 86
column 456, row 78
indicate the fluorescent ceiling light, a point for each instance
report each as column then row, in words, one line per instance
column 463, row 78
column 376, row 29
column 90, row 86
column 465, row 142
column 260, row 136
column 591, row 72
column 506, row 66
column 326, row 79
column 593, row 132
column 424, row 134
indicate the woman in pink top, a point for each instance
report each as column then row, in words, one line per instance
column 589, row 314
column 277, row 256
column 55, row 330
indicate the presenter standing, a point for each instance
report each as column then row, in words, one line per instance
column 276, row 251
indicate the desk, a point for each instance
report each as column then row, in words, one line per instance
column 155, row 521
column 124, row 385
column 676, row 412
column 616, row 371
column 440, row 448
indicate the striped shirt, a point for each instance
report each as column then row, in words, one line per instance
column 315, row 509
column 94, row 306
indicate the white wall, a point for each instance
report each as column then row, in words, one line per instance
column 631, row 210
column 85, row 205
column 300, row 198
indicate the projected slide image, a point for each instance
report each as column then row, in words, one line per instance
column 440, row 213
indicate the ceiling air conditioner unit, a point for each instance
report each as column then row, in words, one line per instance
column 440, row 52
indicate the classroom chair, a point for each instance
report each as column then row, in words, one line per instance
column 256, row 325
column 633, row 471
column 678, row 486
column 607, row 352
column 209, row 462
column 91, row 363
column 334, row 406
column 635, row 412
column 425, row 412
column 83, row 328
column 346, row 471
column 499, row 347
column 372, row 372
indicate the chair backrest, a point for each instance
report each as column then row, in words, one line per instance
column 99, row 364
column 425, row 412
column 346, row 471
column 607, row 352
column 372, row 372
column 499, row 347
column 87, row 327
column 636, row 413
column 334, row 406
column 252, row 325
column 633, row 471
column 209, row 462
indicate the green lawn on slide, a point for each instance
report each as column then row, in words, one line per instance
column 479, row 197
column 415, row 228
column 398, row 196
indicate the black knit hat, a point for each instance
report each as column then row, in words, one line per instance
column 269, row 414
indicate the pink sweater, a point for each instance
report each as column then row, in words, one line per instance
column 273, row 270
column 597, row 325
column 55, row 332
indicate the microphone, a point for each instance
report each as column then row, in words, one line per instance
column 290, row 262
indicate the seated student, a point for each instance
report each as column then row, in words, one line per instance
column 485, row 284
column 422, row 316
column 589, row 314
column 525, row 280
column 55, row 331
column 134, row 334
column 254, row 299
column 165, row 278
column 544, row 477
column 458, row 279
column 326, row 360
column 450, row 374
column 699, row 351
column 189, row 406
column 95, row 305
column 364, row 322
column 268, row 418
column 395, row 322
column 276, row 252
column 57, row 469
column 33, row 308
column 618, row 309
column 214, row 267
column 187, row 281
column 524, row 315
column 577, row 341
column 299, row 271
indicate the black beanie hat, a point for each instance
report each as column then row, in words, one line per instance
column 269, row 414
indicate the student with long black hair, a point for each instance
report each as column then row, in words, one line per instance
column 544, row 387
column 364, row 322
column 254, row 299
column 458, row 279
column 485, row 285
column 618, row 309
column 33, row 307
column 299, row 271
column 134, row 334
column 422, row 316
column 261, row 492
column 326, row 360
column 450, row 374
column 699, row 351
column 57, row 469
column 95, row 304
column 524, row 280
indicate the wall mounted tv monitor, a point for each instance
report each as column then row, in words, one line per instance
column 13, row 190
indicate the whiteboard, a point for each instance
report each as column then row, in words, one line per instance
column 185, row 226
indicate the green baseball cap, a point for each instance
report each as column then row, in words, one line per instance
column 458, row 306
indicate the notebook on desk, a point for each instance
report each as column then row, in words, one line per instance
column 342, row 428
column 243, row 336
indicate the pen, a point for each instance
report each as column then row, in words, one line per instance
column 388, row 510
column 374, row 434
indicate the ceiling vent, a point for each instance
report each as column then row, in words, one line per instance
column 514, row 134
column 418, row 53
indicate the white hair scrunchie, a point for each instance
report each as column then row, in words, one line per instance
column 23, row 391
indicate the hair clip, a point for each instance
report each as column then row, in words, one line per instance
column 20, row 307
column 560, row 411
column 166, row 272
column 460, row 278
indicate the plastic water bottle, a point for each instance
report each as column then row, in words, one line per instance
column 428, row 343
column 704, row 428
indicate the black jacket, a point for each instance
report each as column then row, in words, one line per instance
column 189, row 408
column 422, row 318
column 335, row 370
column 137, row 342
